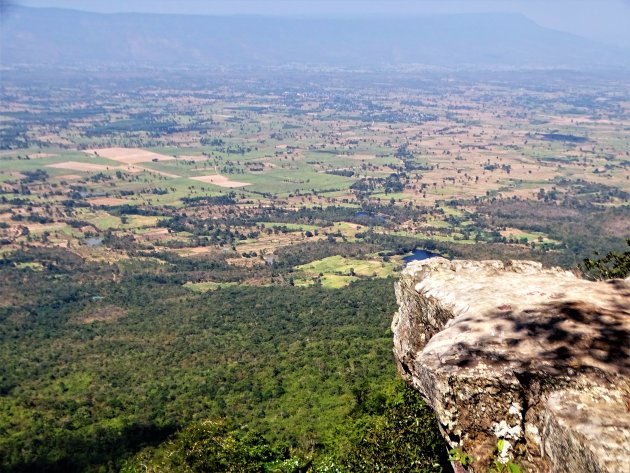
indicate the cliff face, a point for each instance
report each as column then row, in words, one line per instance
column 537, row 357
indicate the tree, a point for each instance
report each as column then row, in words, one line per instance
column 612, row 266
column 209, row 446
column 406, row 439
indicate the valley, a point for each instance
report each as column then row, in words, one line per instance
column 191, row 250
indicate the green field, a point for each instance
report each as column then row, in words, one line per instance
column 207, row 286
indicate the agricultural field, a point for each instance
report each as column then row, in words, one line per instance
column 232, row 153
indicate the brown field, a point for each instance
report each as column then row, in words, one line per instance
column 245, row 262
column 221, row 181
column 44, row 227
column 508, row 232
column 267, row 244
column 524, row 193
column 69, row 177
column 155, row 234
column 129, row 155
column 199, row 250
column 88, row 167
column 109, row 201
column 76, row 166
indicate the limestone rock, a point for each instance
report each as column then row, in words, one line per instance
column 538, row 357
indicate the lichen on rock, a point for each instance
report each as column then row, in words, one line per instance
column 537, row 357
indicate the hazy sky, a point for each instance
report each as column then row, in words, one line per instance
column 603, row 20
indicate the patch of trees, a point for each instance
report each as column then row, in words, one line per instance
column 306, row 369
column 581, row 227
column 14, row 135
column 493, row 167
column 323, row 216
column 152, row 125
column 591, row 192
column 402, row 437
column 36, row 175
column 129, row 209
column 564, row 137
column 209, row 231
column 341, row 172
column 610, row 266
column 370, row 214
column 16, row 201
column 393, row 183
column 70, row 203
column 224, row 199
column 32, row 217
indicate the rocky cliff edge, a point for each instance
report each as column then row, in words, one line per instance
column 537, row 357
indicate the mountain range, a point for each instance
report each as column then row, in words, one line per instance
column 49, row 36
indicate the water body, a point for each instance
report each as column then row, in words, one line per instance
column 419, row 255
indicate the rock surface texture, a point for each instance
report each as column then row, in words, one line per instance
column 538, row 357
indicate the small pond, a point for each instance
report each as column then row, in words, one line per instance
column 419, row 255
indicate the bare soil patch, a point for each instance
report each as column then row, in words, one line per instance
column 155, row 234
column 129, row 155
column 69, row 177
column 109, row 201
column 199, row 250
column 77, row 166
column 221, row 181
column 508, row 232
column 90, row 167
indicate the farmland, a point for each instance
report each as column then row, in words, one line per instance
column 441, row 149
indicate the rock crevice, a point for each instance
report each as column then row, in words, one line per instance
column 537, row 357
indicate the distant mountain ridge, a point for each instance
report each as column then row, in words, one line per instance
column 57, row 36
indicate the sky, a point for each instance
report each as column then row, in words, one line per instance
column 601, row 20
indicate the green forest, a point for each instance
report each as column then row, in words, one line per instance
column 102, row 362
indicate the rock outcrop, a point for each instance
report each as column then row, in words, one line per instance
column 537, row 357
